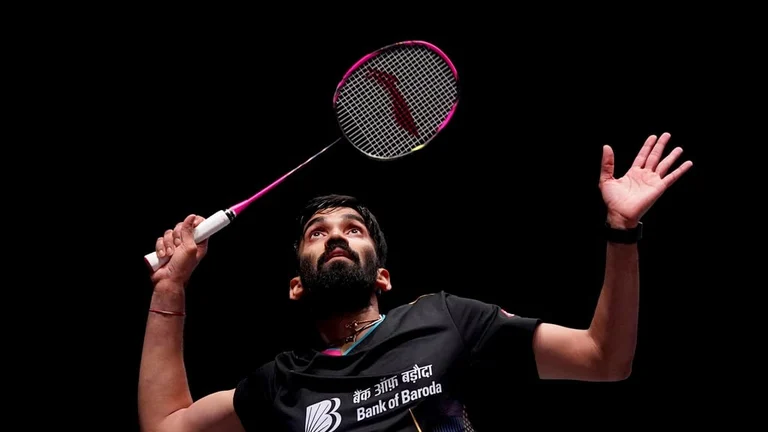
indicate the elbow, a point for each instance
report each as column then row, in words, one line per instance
column 170, row 423
column 620, row 373
column 616, row 370
column 150, row 427
column 614, row 365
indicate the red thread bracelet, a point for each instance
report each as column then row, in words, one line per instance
column 167, row 312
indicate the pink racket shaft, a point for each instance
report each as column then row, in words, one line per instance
column 428, row 79
column 217, row 221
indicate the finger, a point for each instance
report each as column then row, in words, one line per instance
column 676, row 174
column 168, row 242
column 658, row 150
column 177, row 235
column 607, row 166
column 644, row 152
column 665, row 164
column 187, row 231
column 160, row 247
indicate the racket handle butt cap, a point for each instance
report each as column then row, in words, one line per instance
column 207, row 228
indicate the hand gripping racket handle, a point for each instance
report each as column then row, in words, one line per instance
column 207, row 228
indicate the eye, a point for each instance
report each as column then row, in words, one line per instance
column 355, row 230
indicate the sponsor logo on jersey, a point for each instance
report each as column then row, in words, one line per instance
column 323, row 416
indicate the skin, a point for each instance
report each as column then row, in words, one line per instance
column 603, row 352
column 347, row 224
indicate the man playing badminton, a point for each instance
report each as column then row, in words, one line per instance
column 415, row 368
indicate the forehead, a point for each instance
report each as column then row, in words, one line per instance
column 334, row 215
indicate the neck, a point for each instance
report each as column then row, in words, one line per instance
column 333, row 330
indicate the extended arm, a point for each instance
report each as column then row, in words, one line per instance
column 604, row 352
column 165, row 402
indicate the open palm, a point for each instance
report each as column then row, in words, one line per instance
column 628, row 198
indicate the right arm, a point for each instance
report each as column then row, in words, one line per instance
column 165, row 402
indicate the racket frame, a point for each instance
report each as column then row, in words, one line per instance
column 377, row 52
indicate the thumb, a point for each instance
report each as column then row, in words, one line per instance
column 188, row 231
column 606, row 170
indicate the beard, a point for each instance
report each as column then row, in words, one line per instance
column 339, row 287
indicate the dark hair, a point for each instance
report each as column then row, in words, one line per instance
column 335, row 201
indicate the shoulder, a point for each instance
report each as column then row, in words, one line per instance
column 445, row 307
column 443, row 301
column 429, row 303
column 259, row 382
column 254, row 395
column 454, row 305
column 429, row 296
column 434, row 299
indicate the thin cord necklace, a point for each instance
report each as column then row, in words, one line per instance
column 356, row 331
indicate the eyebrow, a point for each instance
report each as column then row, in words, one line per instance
column 322, row 218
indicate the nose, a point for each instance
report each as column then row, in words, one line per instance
column 336, row 233
column 336, row 237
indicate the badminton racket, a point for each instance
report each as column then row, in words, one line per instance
column 389, row 104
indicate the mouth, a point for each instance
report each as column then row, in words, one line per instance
column 338, row 253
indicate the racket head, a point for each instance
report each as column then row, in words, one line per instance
column 397, row 99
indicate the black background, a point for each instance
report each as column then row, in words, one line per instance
column 503, row 206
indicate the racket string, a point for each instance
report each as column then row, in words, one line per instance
column 427, row 86
column 389, row 63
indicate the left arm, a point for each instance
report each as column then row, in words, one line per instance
column 604, row 351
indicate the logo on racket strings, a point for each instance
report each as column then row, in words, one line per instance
column 400, row 110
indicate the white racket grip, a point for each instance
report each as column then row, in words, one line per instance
column 207, row 228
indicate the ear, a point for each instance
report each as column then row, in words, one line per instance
column 297, row 290
column 382, row 280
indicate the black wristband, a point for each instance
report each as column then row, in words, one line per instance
column 624, row 236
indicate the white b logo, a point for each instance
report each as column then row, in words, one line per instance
column 322, row 416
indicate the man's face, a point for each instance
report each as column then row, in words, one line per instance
column 337, row 263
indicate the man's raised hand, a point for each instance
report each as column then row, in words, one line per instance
column 179, row 244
